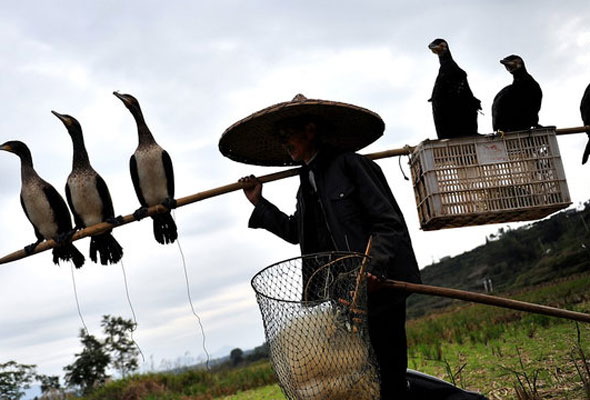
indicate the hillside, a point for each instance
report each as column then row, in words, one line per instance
column 539, row 252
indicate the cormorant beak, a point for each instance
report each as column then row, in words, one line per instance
column 123, row 98
column 61, row 117
column 434, row 48
column 6, row 147
column 511, row 65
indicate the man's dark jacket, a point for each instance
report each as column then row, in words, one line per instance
column 356, row 203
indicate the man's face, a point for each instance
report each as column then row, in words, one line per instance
column 299, row 144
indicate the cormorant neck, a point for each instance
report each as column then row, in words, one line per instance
column 445, row 57
column 26, row 169
column 145, row 136
column 80, row 158
column 520, row 73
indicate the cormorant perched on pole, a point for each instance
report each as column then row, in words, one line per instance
column 45, row 208
column 516, row 107
column 89, row 197
column 454, row 107
column 152, row 175
column 585, row 111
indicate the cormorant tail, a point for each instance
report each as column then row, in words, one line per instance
column 108, row 248
column 68, row 252
column 165, row 230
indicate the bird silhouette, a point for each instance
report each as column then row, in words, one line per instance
column 516, row 107
column 89, row 198
column 585, row 111
column 45, row 209
column 152, row 175
column 454, row 107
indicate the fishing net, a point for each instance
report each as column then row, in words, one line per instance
column 315, row 321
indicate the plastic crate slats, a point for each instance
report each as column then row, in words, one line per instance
column 481, row 180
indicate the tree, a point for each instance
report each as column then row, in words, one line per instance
column 50, row 387
column 236, row 356
column 14, row 378
column 89, row 368
column 120, row 344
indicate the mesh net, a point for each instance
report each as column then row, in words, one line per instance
column 315, row 321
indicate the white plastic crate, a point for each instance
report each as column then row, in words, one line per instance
column 483, row 180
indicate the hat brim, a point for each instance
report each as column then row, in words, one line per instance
column 254, row 139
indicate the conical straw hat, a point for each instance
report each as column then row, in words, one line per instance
column 255, row 140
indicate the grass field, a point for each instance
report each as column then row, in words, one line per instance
column 503, row 354
column 500, row 353
column 541, row 358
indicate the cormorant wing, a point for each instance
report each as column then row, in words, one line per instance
column 135, row 179
column 452, row 83
column 585, row 111
column 537, row 96
column 169, row 173
column 105, row 197
column 500, row 108
column 585, row 106
column 586, row 151
column 60, row 209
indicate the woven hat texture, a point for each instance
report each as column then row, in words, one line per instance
column 254, row 139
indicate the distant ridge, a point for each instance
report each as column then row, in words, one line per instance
column 555, row 247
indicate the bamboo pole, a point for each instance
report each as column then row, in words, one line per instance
column 183, row 201
column 569, row 131
column 104, row 226
column 487, row 299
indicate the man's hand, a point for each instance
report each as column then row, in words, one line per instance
column 374, row 283
column 252, row 188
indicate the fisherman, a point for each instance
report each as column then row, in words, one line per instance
column 343, row 200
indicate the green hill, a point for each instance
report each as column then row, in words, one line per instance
column 543, row 251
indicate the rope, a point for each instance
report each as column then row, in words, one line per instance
column 399, row 160
column 131, row 330
column 188, row 292
column 76, row 297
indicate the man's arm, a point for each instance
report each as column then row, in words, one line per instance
column 266, row 215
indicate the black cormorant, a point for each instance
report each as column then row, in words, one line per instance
column 585, row 110
column 454, row 107
column 152, row 175
column 45, row 208
column 516, row 107
column 89, row 197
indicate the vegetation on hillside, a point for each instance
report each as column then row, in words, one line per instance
column 513, row 259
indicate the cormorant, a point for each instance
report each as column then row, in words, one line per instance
column 585, row 111
column 45, row 208
column 454, row 107
column 152, row 175
column 89, row 197
column 516, row 107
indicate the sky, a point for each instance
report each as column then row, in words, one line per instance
column 196, row 68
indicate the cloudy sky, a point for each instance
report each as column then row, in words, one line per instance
column 197, row 67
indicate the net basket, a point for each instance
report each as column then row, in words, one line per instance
column 315, row 321
column 483, row 180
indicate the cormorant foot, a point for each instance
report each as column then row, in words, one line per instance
column 65, row 237
column 170, row 204
column 140, row 213
column 31, row 248
column 116, row 221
